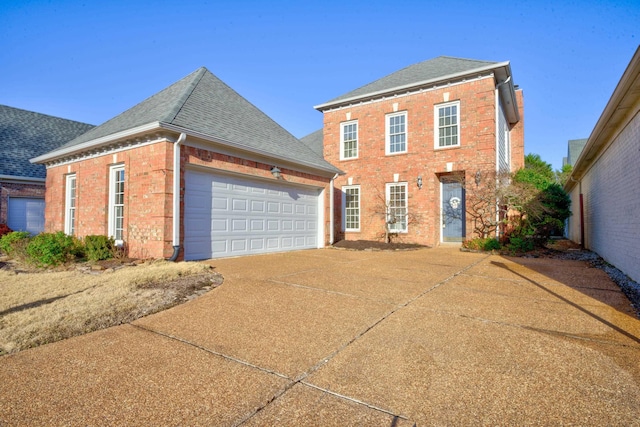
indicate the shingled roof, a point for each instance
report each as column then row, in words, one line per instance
column 26, row 134
column 431, row 70
column 315, row 141
column 204, row 104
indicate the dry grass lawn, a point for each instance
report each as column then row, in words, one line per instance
column 41, row 307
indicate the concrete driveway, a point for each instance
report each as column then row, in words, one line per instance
column 331, row 337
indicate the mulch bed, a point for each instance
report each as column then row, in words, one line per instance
column 363, row 245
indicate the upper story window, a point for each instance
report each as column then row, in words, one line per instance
column 397, row 214
column 349, row 140
column 396, row 133
column 351, row 203
column 70, row 205
column 504, row 146
column 447, row 124
column 116, row 203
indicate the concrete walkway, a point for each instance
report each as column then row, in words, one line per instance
column 340, row 338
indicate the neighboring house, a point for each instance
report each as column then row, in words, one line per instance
column 412, row 143
column 574, row 148
column 604, row 184
column 23, row 135
column 193, row 172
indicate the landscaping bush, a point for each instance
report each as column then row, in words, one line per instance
column 520, row 244
column 4, row 229
column 50, row 249
column 479, row 244
column 13, row 244
column 98, row 248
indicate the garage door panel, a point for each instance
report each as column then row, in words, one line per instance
column 26, row 214
column 228, row 216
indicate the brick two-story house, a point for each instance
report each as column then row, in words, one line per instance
column 413, row 143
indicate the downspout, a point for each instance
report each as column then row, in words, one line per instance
column 499, row 229
column 176, row 196
column 331, row 212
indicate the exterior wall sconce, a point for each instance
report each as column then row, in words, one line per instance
column 419, row 182
column 277, row 173
column 478, row 178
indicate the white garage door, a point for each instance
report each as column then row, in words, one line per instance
column 230, row 216
column 26, row 214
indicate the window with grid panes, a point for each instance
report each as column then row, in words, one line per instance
column 396, row 133
column 70, row 205
column 352, row 208
column 116, row 203
column 349, row 140
column 447, row 122
column 397, row 207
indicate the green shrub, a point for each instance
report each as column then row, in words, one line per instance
column 99, row 247
column 49, row 249
column 480, row 244
column 519, row 244
column 13, row 242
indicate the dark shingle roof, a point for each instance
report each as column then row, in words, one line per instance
column 314, row 141
column 26, row 134
column 429, row 70
column 203, row 103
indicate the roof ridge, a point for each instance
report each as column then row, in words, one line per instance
column 184, row 97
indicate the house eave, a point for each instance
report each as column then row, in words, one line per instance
column 417, row 85
column 21, row 179
column 103, row 142
column 623, row 105
column 95, row 143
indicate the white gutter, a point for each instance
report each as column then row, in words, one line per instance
column 176, row 196
column 21, row 178
column 332, row 215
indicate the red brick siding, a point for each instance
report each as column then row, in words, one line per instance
column 148, row 227
column 9, row 189
column 147, row 219
column 373, row 169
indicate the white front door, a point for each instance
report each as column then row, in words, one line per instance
column 228, row 215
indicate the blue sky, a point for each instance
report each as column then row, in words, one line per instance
column 89, row 61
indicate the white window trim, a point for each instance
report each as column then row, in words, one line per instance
column 406, row 202
column 70, row 221
column 436, row 126
column 112, row 205
column 387, row 145
column 342, row 126
column 344, row 210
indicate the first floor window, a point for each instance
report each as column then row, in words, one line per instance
column 396, row 133
column 397, row 207
column 70, row 205
column 349, row 140
column 116, row 203
column 351, row 208
column 447, row 119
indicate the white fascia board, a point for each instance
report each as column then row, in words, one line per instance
column 94, row 143
column 414, row 85
column 246, row 149
column 21, row 178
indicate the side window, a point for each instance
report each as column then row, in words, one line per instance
column 397, row 207
column 349, row 140
column 396, row 133
column 70, row 205
column 351, row 203
column 447, row 125
column 116, row 203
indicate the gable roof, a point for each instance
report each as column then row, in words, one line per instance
column 26, row 134
column 423, row 74
column 203, row 104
